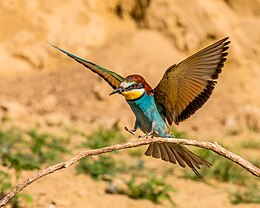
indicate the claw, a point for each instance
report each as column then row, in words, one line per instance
column 131, row 131
column 146, row 136
column 150, row 134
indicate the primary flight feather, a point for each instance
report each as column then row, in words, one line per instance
column 184, row 88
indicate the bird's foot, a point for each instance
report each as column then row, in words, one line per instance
column 150, row 134
column 143, row 136
column 131, row 131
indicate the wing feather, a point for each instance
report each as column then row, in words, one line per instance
column 112, row 78
column 185, row 87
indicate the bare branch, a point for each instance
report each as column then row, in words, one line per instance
column 206, row 145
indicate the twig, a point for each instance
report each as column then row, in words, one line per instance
column 206, row 145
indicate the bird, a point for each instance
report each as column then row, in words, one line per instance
column 183, row 89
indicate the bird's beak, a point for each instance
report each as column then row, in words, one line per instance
column 117, row 90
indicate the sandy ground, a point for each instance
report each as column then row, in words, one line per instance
column 40, row 85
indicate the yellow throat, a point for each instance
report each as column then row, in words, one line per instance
column 133, row 94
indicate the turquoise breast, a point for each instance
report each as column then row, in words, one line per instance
column 146, row 112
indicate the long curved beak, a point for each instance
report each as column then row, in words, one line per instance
column 117, row 90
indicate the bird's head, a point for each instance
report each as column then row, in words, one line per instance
column 133, row 87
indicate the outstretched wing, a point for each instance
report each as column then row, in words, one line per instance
column 185, row 87
column 112, row 78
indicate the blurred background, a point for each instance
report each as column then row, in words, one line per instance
column 51, row 107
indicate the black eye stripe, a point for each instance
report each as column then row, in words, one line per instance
column 135, row 86
column 128, row 88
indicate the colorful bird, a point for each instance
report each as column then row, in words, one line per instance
column 184, row 88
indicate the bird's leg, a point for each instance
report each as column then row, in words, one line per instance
column 149, row 134
column 133, row 130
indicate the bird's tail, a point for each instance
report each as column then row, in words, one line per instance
column 174, row 153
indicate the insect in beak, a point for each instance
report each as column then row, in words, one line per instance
column 117, row 90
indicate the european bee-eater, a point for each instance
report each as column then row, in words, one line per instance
column 184, row 88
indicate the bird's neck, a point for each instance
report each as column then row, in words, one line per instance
column 145, row 101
